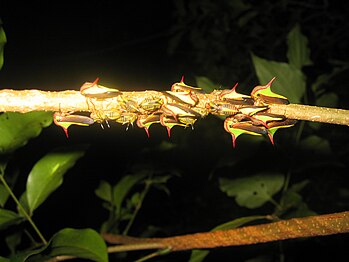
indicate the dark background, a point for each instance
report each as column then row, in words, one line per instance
column 56, row 45
column 124, row 43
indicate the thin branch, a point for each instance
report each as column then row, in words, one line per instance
column 312, row 113
column 22, row 209
column 24, row 101
column 312, row 226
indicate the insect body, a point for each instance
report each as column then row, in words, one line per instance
column 93, row 90
column 235, row 97
column 176, row 110
column 181, row 86
column 222, row 108
column 236, row 129
column 126, row 118
column 276, row 125
column 187, row 98
column 65, row 120
column 151, row 104
column 145, row 121
column 264, row 95
column 169, row 123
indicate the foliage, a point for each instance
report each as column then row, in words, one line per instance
column 83, row 243
column 13, row 124
column 2, row 43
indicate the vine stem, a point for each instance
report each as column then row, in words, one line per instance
column 138, row 207
column 24, row 212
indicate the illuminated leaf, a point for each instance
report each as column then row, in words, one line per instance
column 206, row 84
column 47, row 174
column 122, row 188
column 81, row 243
column 8, row 218
column 290, row 81
column 16, row 128
column 104, row 191
column 253, row 191
column 298, row 53
column 327, row 100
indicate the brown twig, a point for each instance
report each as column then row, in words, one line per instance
column 312, row 113
column 312, row 226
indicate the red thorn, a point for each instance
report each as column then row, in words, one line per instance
column 182, row 79
column 147, row 131
column 234, row 87
column 168, row 131
column 96, row 81
column 271, row 138
column 66, row 132
column 233, row 139
column 271, row 81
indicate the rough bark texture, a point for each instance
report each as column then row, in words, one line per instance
column 312, row 226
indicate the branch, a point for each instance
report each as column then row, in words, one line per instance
column 260, row 113
column 312, row 226
column 24, row 101
column 312, row 113
column 321, row 225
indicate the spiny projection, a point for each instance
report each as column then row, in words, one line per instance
column 182, row 106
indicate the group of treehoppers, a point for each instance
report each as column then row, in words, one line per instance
column 182, row 106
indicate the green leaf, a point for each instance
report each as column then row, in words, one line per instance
column 16, row 128
column 4, row 195
column 8, row 218
column 298, row 53
column 122, row 188
column 292, row 204
column 206, row 84
column 199, row 255
column 47, row 174
column 302, row 210
column 254, row 191
column 238, row 222
column 299, row 186
column 289, row 200
column 4, row 259
column 316, row 144
column 13, row 240
column 81, row 243
column 328, row 100
column 2, row 44
column 290, row 81
column 318, row 86
column 104, row 191
column 35, row 254
column 10, row 180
